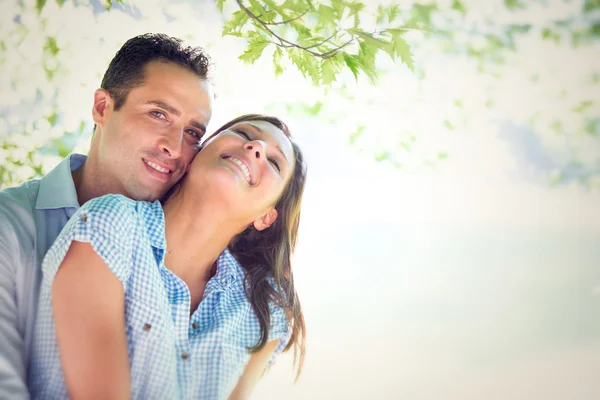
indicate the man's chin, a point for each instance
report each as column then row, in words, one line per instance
column 145, row 193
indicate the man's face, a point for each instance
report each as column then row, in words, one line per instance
column 145, row 147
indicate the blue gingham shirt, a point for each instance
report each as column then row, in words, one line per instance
column 172, row 355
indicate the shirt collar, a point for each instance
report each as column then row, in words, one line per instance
column 155, row 222
column 229, row 271
column 57, row 189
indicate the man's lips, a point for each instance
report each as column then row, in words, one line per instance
column 242, row 165
column 160, row 167
column 159, row 170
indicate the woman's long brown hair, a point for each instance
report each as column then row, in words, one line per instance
column 266, row 254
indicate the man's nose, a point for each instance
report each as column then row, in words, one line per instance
column 172, row 142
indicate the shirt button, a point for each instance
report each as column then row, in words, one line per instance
column 84, row 217
column 195, row 325
column 185, row 356
column 147, row 327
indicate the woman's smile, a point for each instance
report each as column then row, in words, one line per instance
column 243, row 166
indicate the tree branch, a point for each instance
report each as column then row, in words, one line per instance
column 287, row 43
column 287, row 21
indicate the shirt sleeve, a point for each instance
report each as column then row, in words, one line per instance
column 280, row 329
column 12, row 363
column 109, row 224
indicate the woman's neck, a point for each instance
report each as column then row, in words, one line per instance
column 197, row 231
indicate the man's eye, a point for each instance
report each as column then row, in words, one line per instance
column 158, row 115
column 275, row 163
column 194, row 133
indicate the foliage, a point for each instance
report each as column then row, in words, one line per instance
column 328, row 40
column 320, row 39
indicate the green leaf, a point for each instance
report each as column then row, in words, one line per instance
column 52, row 119
column 60, row 2
column 422, row 12
column 306, row 64
column 338, row 8
column 314, row 109
column 312, row 67
column 354, row 136
column 402, row 48
column 458, row 6
column 277, row 56
column 220, row 4
column 356, row 7
column 235, row 23
column 381, row 13
column 366, row 60
column 253, row 51
column 51, row 46
column 513, row 4
column 584, row 105
column 329, row 70
column 107, row 4
column 62, row 149
column 591, row 5
column 352, row 63
column 39, row 5
column 393, row 12
column 548, row 34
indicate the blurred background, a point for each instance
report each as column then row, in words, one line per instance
column 450, row 241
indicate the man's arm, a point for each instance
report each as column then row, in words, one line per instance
column 12, row 362
column 88, row 302
column 253, row 372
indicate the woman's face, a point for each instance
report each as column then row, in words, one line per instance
column 249, row 164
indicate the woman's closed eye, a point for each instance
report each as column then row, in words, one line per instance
column 247, row 137
column 243, row 134
column 275, row 163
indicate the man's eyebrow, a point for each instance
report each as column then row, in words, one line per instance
column 175, row 111
column 198, row 125
column 277, row 146
column 165, row 106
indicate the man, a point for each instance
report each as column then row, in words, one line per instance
column 150, row 113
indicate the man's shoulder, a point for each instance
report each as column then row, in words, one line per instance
column 19, row 200
column 17, row 225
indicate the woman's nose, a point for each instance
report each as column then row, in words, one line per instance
column 256, row 148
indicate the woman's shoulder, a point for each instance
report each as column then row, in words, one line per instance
column 110, row 202
column 113, row 214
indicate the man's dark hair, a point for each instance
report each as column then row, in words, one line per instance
column 126, row 70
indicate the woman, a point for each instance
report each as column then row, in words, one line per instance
column 205, row 280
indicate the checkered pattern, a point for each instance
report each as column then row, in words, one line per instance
column 172, row 356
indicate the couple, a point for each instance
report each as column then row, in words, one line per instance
column 189, row 298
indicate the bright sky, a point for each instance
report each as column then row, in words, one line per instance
column 468, row 278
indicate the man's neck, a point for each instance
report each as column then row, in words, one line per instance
column 87, row 185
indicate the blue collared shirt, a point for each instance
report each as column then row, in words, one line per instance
column 172, row 355
column 31, row 217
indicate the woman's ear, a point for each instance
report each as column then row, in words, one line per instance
column 265, row 220
column 102, row 101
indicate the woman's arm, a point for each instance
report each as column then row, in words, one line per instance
column 89, row 314
column 253, row 372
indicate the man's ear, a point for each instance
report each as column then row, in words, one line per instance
column 102, row 102
column 265, row 220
